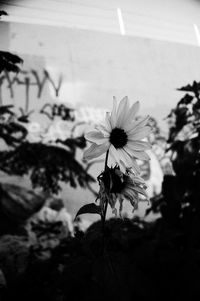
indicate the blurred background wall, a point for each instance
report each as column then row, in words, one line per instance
column 155, row 52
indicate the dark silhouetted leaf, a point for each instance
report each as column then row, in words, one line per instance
column 195, row 88
column 89, row 208
column 187, row 99
column 3, row 13
column 9, row 62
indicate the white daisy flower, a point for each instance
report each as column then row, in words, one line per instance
column 122, row 135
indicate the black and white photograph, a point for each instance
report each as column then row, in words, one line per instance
column 99, row 150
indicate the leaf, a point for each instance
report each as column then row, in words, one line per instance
column 9, row 61
column 10, row 57
column 89, row 208
column 195, row 88
column 3, row 13
column 6, row 109
column 48, row 165
column 187, row 99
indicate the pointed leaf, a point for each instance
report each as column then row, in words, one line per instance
column 3, row 13
column 89, row 208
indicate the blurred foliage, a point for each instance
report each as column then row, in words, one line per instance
column 46, row 164
column 48, row 235
column 11, row 130
column 139, row 263
column 179, row 201
column 53, row 110
column 9, row 61
column 3, row 13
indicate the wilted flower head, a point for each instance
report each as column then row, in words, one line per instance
column 117, row 186
column 121, row 134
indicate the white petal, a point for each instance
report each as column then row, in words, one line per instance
column 125, row 157
column 138, row 155
column 125, row 112
column 141, row 122
column 117, row 158
column 133, row 111
column 138, row 145
column 95, row 151
column 114, row 154
column 96, row 137
column 140, row 133
column 111, row 160
column 113, row 117
column 122, row 166
column 107, row 122
column 128, row 161
column 135, row 167
column 122, row 111
column 102, row 128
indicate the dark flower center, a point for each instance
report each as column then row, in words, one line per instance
column 118, row 138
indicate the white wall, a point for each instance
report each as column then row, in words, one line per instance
column 96, row 66
column 170, row 20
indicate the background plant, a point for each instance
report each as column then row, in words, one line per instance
column 179, row 201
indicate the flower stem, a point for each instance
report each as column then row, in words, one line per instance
column 106, row 204
column 104, row 215
column 103, row 219
column 106, row 160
